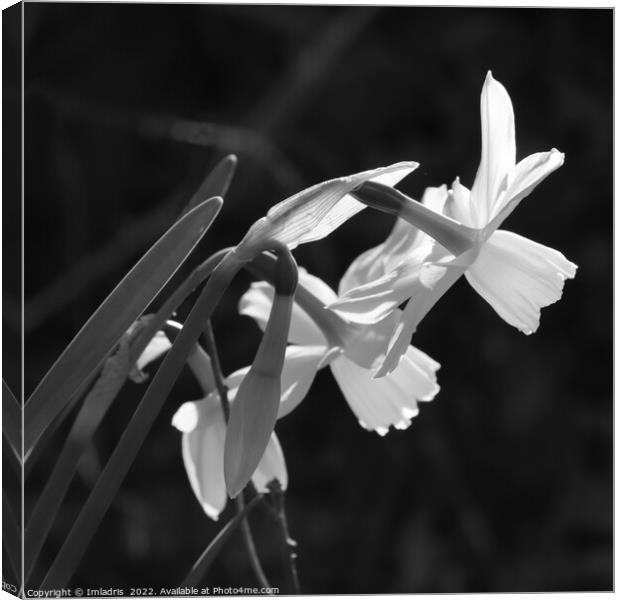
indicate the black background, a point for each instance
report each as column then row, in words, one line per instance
column 504, row 481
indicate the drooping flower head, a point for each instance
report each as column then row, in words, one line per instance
column 318, row 337
column 515, row 275
column 203, row 429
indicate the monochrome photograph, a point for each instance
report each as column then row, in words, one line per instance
column 307, row 299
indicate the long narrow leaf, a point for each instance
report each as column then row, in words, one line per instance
column 134, row 435
column 95, row 406
column 118, row 311
column 201, row 566
column 154, row 324
column 216, row 183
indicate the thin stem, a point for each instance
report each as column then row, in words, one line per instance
column 202, row 565
column 220, row 384
column 222, row 390
column 249, row 544
column 289, row 544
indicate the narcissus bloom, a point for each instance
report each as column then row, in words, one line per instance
column 352, row 351
column 204, row 432
column 514, row 274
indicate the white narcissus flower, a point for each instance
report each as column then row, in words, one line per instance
column 377, row 403
column 204, row 431
column 514, row 274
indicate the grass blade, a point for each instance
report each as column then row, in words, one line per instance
column 94, row 408
column 117, row 312
column 201, row 566
column 134, row 435
column 216, row 183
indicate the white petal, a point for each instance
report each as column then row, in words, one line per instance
column 392, row 400
column 316, row 286
column 158, row 345
column 315, row 212
column 348, row 206
column 368, row 343
column 373, row 301
column 517, row 277
column 271, row 466
column 403, row 242
column 522, row 180
column 203, row 456
column 435, row 198
column 301, row 364
column 423, row 298
column 186, row 418
column 256, row 303
column 459, row 207
column 498, row 147
column 420, row 271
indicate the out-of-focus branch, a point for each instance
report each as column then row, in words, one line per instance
column 290, row 96
column 248, row 539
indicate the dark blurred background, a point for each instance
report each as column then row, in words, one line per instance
column 503, row 482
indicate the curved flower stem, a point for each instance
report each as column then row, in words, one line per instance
column 211, row 347
column 263, row 267
column 202, row 565
column 249, row 543
column 218, row 376
column 290, row 545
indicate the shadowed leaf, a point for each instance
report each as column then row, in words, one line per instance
column 216, row 183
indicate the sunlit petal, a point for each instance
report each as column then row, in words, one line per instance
column 348, row 206
column 518, row 277
column 315, row 212
column 204, row 431
column 271, row 466
column 522, row 180
column 405, row 242
column 423, row 298
column 158, row 345
column 392, row 400
column 373, row 301
column 368, row 342
column 301, row 364
column 459, row 207
column 256, row 303
column 498, row 147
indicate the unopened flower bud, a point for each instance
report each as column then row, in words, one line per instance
column 255, row 409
